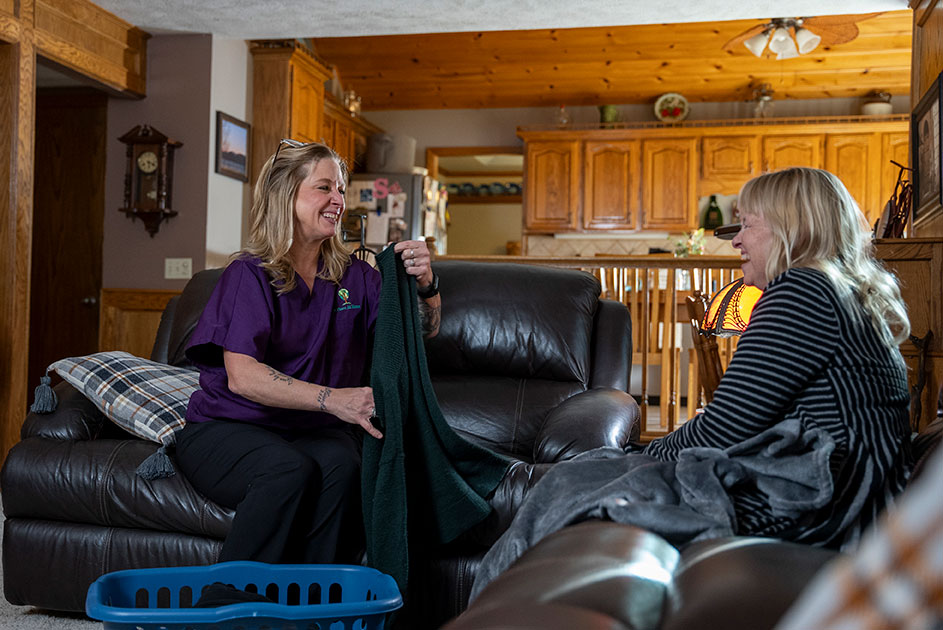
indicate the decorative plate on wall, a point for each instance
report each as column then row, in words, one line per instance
column 671, row 107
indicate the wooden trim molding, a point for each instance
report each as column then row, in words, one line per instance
column 9, row 29
column 87, row 39
column 130, row 318
column 17, row 116
column 922, row 10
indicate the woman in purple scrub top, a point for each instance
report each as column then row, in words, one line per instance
column 283, row 348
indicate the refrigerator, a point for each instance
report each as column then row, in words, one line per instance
column 385, row 207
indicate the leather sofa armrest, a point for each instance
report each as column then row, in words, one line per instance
column 594, row 418
column 75, row 418
column 601, row 574
column 505, row 502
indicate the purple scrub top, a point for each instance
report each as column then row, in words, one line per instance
column 324, row 336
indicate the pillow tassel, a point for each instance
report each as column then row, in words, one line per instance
column 157, row 465
column 44, row 398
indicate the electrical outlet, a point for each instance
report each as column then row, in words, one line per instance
column 178, row 268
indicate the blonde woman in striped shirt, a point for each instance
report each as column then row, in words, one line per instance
column 821, row 347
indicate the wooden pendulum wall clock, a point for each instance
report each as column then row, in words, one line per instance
column 148, row 178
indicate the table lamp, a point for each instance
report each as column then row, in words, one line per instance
column 728, row 312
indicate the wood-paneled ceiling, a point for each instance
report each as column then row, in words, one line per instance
column 610, row 65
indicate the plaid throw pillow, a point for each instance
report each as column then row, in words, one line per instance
column 146, row 398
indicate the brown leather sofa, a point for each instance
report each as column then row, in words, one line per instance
column 602, row 575
column 529, row 362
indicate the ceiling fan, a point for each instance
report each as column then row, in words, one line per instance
column 790, row 37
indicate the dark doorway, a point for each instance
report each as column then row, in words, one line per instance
column 68, row 218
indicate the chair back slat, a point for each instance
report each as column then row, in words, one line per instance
column 709, row 367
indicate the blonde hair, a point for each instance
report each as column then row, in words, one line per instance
column 272, row 217
column 815, row 223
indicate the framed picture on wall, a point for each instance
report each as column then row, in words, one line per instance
column 926, row 127
column 232, row 147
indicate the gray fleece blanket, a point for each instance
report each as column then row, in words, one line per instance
column 682, row 501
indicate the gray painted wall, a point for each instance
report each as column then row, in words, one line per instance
column 177, row 104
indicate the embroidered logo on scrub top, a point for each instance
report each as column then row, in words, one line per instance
column 344, row 295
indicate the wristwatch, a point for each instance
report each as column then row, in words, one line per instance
column 431, row 290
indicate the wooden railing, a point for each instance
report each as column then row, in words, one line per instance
column 653, row 288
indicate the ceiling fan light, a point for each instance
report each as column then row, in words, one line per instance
column 757, row 43
column 780, row 40
column 807, row 40
column 788, row 50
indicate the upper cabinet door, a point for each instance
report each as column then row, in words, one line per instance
column 784, row 151
column 307, row 104
column 552, row 191
column 728, row 157
column 853, row 158
column 669, row 182
column 610, row 184
column 727, row 162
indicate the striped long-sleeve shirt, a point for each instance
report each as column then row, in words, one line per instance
column 806, row 356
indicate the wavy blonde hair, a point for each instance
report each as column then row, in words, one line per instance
column 815, row 223
column 272, row 218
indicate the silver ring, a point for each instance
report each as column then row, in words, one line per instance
column 412, row 254
column 373, row 412
column 409, row 262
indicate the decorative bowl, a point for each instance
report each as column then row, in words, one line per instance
column 671, row 107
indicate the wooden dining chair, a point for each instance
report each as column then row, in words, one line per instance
column 709, row 366
column 657, row 340
column 662, row 349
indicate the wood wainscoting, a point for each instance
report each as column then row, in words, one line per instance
column 918, row 265
column 130, row 318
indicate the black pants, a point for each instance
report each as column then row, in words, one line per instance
column 297, row 498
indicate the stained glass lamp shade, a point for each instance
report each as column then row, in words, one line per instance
column 728, row 312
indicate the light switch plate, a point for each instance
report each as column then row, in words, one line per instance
column 178, row 268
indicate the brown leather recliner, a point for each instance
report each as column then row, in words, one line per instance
column 528, row 362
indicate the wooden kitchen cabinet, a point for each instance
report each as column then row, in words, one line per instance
column 347, row 134
column 552, row 196
column 853, row 158
column 794, row 150
column 307, row 101
column 728, row 160
column 680, row 163
column 726, row 163
column 669, row 181
column 337, row 136
column 610, row 184
column 287, row 97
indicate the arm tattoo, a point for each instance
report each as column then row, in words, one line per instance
column 429, row 318
column 278, row 376
column 322, row 398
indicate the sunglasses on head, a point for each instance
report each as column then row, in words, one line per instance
column 294, row 144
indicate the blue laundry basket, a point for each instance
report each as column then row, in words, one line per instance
column 310, row 597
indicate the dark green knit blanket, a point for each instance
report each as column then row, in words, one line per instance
column 422, row 484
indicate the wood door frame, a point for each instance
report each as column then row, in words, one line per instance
column 80, row 36
column 17, row 69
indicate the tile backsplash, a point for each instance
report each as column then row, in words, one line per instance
column 547, row 245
